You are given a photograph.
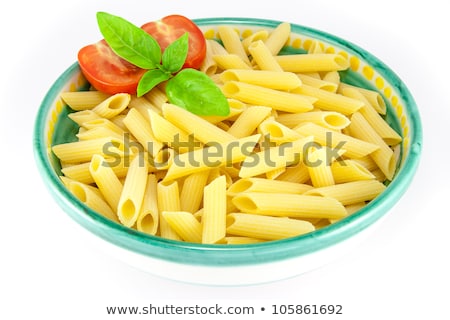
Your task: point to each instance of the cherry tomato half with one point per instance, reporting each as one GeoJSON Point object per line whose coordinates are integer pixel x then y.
{"type": "Point", "coordinates": [170, 28]}
{"type": "Point", "coordinates": [106, 71]}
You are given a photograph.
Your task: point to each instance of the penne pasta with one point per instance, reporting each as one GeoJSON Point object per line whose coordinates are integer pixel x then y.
{"type": "Point", "coordinates": [210, 157]}
{"type": "Point", "coordinates": [350, 192]}
{"type": "Point", "coordinates": [185, 225]}
{"type": "Point", "coordinates": [382, 128]}
{"type": "Point", "coordinates": [263, 57]}
{"type": "Point", "coordinates": [106, 180]}
{"type": "Point", "coordinates": [148, 219]}
{"type": "Point", "coordinates": [192, 192]}
{"type": "Point", "coordinates": [330, 101]}
{"type": "Point", "coordinates": [168, 200]}
{"type": "Point", "coordinates": [327, 119]}
{"type": "Point", "coordinates": [278, 100]}
{"type": "Point", "coordinates": [192, 124]}
{"type": "Point", "coordinates": [230, 61]}
{"type": "Point", "coordinates": [278, 38]}
{"type": "Point", "coordinates": [266, 185]}
{"type": "Point", "coordinates": [214, 211]}
{"type": "Point", "coordinates": [91, 197]}
{"type": "Point", "coordinates": [248, 121]}
{"type": "Point", "coordinates": [384, 156]}
{"type": "Point", "coordinates": [83, 100]}
{"type": "Point", "coordinates": [232, 42]}
{"type": "Point", "coordinates": [265, 227]}
{"type": "Point", "coordinates": [269, 79]}
{"type": "Point", "coordinates": [306, 63]}
{"type": "Point", "coordinates": [289, 205]}
{"type": "Point", "coordinates": [354, 148]}
{"type": "Point", "coordinates": [132, 195]}
{"type": "Point", "coordinates": [113, 105]}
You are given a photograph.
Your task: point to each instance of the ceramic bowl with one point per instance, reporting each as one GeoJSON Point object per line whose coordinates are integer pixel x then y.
{"type": "Point", "coordinates": [239, 264]}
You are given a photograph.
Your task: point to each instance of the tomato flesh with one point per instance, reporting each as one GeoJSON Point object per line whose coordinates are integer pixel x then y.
{"type": "Point", "coordinates": [170, 28]}
{"type": "Point", "coordinates": [106, 71]}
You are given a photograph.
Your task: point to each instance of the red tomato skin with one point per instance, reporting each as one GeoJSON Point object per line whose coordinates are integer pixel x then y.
{"type": "Point", "coordinates": [106, 71]}
{"type": "Point", "coordinates": [170, 28]}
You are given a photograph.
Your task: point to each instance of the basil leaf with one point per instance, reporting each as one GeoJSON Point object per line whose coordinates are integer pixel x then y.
{"type": "Point", "coordinates": [129, 41]}
{"type": "Point", "coordinates": [175, 54]}
{"type": "Point", "coordinates": [194, 91]}
{"type": "Point", "coordinates": [150, 79]}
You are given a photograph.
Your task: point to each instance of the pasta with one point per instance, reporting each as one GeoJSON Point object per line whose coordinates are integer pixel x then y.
{"type": "Point", "coordinates": [214, 211]}
{"type": "Point", "coordinates": [299, 150]}
{"type": "Point", "coordinates": [265, 227]}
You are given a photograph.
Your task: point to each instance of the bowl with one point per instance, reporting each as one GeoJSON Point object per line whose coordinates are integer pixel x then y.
{"type": "Point", "coordinates": [250, 263]}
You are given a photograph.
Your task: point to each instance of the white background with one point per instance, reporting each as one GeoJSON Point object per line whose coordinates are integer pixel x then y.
{"type": "Point", "coordinates": [48, 268]}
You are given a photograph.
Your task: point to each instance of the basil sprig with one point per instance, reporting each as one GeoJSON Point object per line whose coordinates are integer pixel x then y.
{"type": "Point", "coordinates": [189, 88]}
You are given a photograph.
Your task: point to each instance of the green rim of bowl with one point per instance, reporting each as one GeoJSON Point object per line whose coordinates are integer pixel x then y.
{"type": "Point", "coordinates": [225, 255]}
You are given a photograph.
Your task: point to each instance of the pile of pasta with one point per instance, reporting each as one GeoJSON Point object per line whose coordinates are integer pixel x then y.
{"type": "Point", "coordinates": [299, 150]}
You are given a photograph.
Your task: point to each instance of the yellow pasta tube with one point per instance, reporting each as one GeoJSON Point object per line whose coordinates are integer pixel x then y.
{"type": "Point", "coordinates": [148, 219]}
{"type": "Point", "coordinates": [80, 117]}
{"type": "Point", "coordinates": [230, 61]}
{"type": "Point", "coordinates": [255, 36]}
{"type": "Point", "coordinates": [328, 119]}
{"type": "Point", "coordinates": [374, 97]}
{"type": "Point", "coordinates": [102, 122]}
{"type": "Point", "coordinates": [266, 185]}
{"type": "Point", "coordinates": [297, 173]}
{"type": "Point", "coordinates": [312, 62]}
{"type": "Point", "coordinates": [141, 130]}
{"type": "Point", "coordinates": [389, 135]}
{"type": "Point", "coordinates": [80, 172]}
{"type": "Point", "coordinates": [166, 132]}
{"type": "Point", "coordinates": [289, 205]}
{"type": "Point", "coordinates": [113, 105]}
{"type": "Point", "coordinates": [209, 65]}
{"type": "Point", "coordinates": [330, 101]}
{"type": "Point", "coordinates": [349, 170]}
{"type": "Point", "coordinates": [142, 105]}
{"type": "Point", "coordinates": [269, 79]}
{"type": "Point", "coordinates": [97, 133]}
{"type": "Point", "coordinates": [350, 192]}
{"type": "Point", "coordinates": [214, 211]}
{"type": "Point", "coordinates": [354, 148]}
{"type": "Point", "coordinates": [106, 181]}
{"type": "Point", "coordinates": [257, 95]}
{"type": "Point", "coordinates": [232, 42]}
{"type": "Point", "coordinates": [192, 124]}
{"type": "Point", "coordinates": [248, 121]}
{"type": "Point", "coordinates": [185, 225]}
{"type": "Point", "coordinates": [132, 195]}
{"type": "Point", "coordinates": [265, 227]}
{"type": "Point", "coordinates": [263, 57]}
{"type": "Point", "coordinates": [274, 158]}
{"type": "Point", "coordinates": [278, 38]}
{"type": "Point", "coordinates": [210, 157]}
{"type": "Point", "coordinates": [384, 156]}
{"type": "Point", "coordinates": [319, 167]}
{"type": "Point", "coordinates": [241, 240]}
{"type": "Point", "coordinates": [317, 82]}
{"type": "Point", "coordinates": [82, 151]}
{"type": "Point", "coordinates": [168, 200]}
{"type": "Point", "coordinates": [192, 192]}
{"type": "Point", "coordinates": [276, 132]}
{"type": "Point", "coordinates": [156, 97]}
{"type": "Point", "coordinates": [87, 195]}
{"type": "Point", "coordinates": [83, 100]}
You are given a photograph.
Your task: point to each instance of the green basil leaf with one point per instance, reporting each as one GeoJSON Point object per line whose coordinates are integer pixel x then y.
{"type": "Point", "coordinates": [150, 79]}
{"type": "Point", "coordinates": [129, 41]}
{"type": "Point", "coordinates": [196, 92]}
{"type": "Point", "coordinates": [175, 54]}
